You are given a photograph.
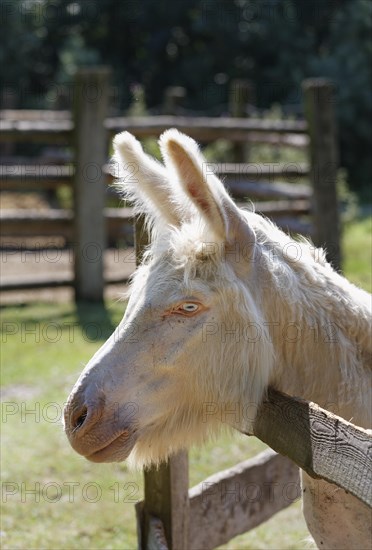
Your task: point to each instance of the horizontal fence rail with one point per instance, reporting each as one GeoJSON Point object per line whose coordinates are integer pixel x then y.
{"type": "Point", "coordinates": [15, 175]}
{"type": "Point", "coordinates": [37, 223]}
{"type": "Point", "coordinates": [36, 131]}
{"type": "Point", "coordinates": [239, 499]}
{"type": "Point", "coordinates": [48, 281]}
{"type": "Point", "coordinates": [321, 443]}
{"type": "Point", "coordinates": [257, 182]}
{"type": "Point", "coordinates": [26, 223]}
{"type": "Point", "coordinates": [234, 501]}
{"type": "Point", "coordinates": [203, 128]}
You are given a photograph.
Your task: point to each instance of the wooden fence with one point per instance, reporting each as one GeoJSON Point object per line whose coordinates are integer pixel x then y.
{"type": "Point", "coordinates": [236, 500]}
{"type": "Point", "coordinates": [88, 132]}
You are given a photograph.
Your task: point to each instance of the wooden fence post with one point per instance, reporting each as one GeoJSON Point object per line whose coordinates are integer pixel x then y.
{"type": "Point", "coordinates": [319, 112]}
{"type": "Point", "coordinates": [240, 95]}
{"type": "Point", "coordinates": [90, 143]}
{"type": "Point", "coordinates": [173, 98]}
{"type": "Point", "coordinates": [167, 498]}
{"type": "Point", "coordinates": [166, 487]}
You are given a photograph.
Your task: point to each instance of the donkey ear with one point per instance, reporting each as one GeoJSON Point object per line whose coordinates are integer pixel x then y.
{"type": "Point", "coordinates": [181, 153]}
{"type": "Point", "coordinates": [143, 180]}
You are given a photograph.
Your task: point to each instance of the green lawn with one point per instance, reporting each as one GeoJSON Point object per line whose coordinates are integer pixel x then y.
{"type": "Point", "coordinates": [357, 252]}
{"type": "Point", "coordinates": [51, 497]}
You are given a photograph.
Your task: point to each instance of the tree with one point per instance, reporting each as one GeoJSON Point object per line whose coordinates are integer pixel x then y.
{"type": "Point", "coordinates": [200, 45]}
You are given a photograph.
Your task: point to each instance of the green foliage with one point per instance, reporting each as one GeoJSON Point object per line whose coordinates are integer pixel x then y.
{"type": "Point", "coordinates": [348, 200]}
{"type": "Point", "coordinates": [200, 45]}
{"type": "Point", "coordinates": [348, 63]}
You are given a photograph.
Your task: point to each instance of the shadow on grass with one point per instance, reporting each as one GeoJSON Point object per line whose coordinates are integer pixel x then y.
{"type": "Point", "coordinates": [95, 320]}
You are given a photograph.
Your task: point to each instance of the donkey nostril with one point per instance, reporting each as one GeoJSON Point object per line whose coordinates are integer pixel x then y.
{"type": "Point", "coordinates": [81, 418]}
{"type": "Point", "coordinates": [82, 415]}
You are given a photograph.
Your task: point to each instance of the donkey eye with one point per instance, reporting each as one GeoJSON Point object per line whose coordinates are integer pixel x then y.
{"type": "Point", "coordinates": [187, 308]}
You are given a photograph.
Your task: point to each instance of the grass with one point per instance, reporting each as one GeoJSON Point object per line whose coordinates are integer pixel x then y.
{"type": "Point", "coordinates": [51, 497]}
{"type": "Point", "coordinates": [357, 252]}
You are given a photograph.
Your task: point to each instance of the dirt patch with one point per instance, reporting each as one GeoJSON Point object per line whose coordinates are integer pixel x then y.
{"type": "Point", "coordinates": [55, 264]}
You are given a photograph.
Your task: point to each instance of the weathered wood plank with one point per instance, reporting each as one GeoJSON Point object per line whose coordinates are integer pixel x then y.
{"type": "Point", "coordinates": [48, 281]}
{"type": "Point", "coordinates": [35, 177]}
{"type": "Point", "coordinates": [166, 498]}
{"type": "Point", "coordinates": [31, 222]}
{"type": "Point", "coordinates": [281, 208]}
{"type": "Point", "coordinates": [156, 539]}
{"type": "Point", "coordinates": [241, 188]}
{"type": "Point", "coordinates": [290, 170]}
{"type": "Point", "coordinates": [90, 143]}
{"type": "Point", "coordinates": [42, 175]}
{"type": "Point", "coordinates": [36, 260]}
{"type": "Point", "coordinates": [21, 220]}
{"type": "Point", "coordinates": [35, 282]}
{"type": "Point", "coordinates": [59, 131]}
{"type": "Point", "coordinates": [236, 500]}
{"type": "Point", "coordinates": [319, 442]}
{"type": "Point", "coordinates": [293, 225]}
{"type": "Point", "coordinates": [247, 170]}
{"type": "Point", "coordinates": [37, 223]}
{"type": "Point", "coordinates": [45, 115]}
{"type": "Point", "coordinates": [34, 114]}
{"type": "Point", "coordinates": [203, 127]}
{"type": "Point", "coordinates": [296, 141]}
{"type": "Point", "coordinates": [9, 215]}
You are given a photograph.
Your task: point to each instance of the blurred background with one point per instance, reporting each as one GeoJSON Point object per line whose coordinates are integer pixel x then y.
{"type": "Point", "coordinates": [199, 45]}
{"type": "Point", "coordinates": [240, 63]}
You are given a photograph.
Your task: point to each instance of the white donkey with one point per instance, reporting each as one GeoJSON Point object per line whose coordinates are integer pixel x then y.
{"type": "Point", "coordinates": [224, 305]}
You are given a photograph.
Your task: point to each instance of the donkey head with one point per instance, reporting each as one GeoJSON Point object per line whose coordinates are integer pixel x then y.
{"type": "Point", "coordinates": [184, 360]}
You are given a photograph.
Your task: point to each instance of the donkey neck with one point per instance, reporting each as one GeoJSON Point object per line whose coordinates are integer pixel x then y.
{"type": "Point", "coordinates": [320, 326]}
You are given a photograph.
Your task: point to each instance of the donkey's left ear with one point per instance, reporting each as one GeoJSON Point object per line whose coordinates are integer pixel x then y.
{"type": "Point", "coordinates": [181, 154]}
{"type": "Point", "coordinates": [204, 189]}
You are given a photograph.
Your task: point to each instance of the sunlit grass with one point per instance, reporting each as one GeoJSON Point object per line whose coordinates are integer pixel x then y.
{"type": "Point", "coordinates": [357, 253]}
